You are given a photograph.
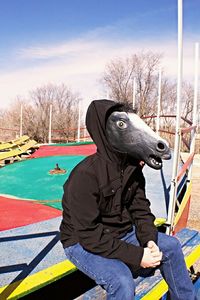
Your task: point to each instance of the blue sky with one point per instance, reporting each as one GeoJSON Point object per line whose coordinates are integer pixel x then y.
{"type": "Point", "coordinates": [66, 41]}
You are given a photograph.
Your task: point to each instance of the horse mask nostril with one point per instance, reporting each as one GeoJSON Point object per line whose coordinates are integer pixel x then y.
{"type": "Point", "coordinates": [161, 146]}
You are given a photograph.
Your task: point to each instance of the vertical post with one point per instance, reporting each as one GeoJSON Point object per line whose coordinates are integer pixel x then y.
{"type": "Point", "coordinates": [173, 191]}
{"type": "Point", "coordinates": [21, 121]}
{"type": "Point", "coordinates": [50, 122]}
{"type": "Point", "coordinates": [134, 91]}
{"type": "Point", "coordinates": [159, 101]}
{"type": "Point", "coordinates": [85, 130]}
{"type": "Point", "coordinates": [79, 121]}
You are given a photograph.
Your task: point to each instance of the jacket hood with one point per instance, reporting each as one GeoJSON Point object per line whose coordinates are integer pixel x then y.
{"type": "Point", "coordinates": [96, 117]}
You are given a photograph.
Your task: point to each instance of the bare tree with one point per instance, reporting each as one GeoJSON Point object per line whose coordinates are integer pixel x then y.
{"type": "Point", "coordinates": [11, 120]}
{"type": "Point", "coordinates": [119, 74]}
{"type": "Point", "coordinates": [118, 79]}
{"type": "Point", "coordinates": [187, 96]}
{"type": "Point", "coordinates": [64, 103]}
{"type": "Point", "coordinates": [36, 112]}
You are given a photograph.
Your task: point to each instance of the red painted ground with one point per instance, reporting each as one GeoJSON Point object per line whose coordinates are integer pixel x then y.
{"type": "Point", "coordinates": [16, 213]}
{"type": "Point", "coordinates": [64, 150]}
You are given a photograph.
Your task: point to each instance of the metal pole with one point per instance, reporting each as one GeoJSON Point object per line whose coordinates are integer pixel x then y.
{"type": "Point", "coordinates": [79, 121]}
{"type": "Point", "coordinates": [134, 91]}
{"type": "Point", "coordinates": [85, 130]}
{"type": "Point", "coordinates": [173, 191]}
{"type": "Point", "coordinates": [50, 121]}
{"type": "Point", "coordinates": [159, 101]}
{"type": "Point", "coordinates": [21, 121]}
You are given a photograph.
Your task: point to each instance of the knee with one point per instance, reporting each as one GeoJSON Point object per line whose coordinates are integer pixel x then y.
{"type": "Point", "coordinates": [171, 246]}
{"type": "Point", "coordinates": [174, 244]}
{"type": "Point", "coordinates": [122, 287]}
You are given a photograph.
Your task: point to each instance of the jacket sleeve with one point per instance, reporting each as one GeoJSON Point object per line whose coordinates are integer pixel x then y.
{"type": "Point", "coordinates": [140, 212]}
{"type": "Point", "coordinates": [83, 193]}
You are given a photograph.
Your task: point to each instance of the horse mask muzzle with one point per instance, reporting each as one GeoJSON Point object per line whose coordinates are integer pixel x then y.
{"type": "Point", "coordinates": [128, 133]}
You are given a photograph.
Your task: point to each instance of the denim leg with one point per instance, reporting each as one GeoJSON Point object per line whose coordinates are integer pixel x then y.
{"type": "Point", "coordinates": [174, 270]}
{"type": "Point", "coordinates": [116, 278]}
{"type": "Point", "coordinates": [173, 267]}
{"type": "Point", "coordinates": [112, 274]}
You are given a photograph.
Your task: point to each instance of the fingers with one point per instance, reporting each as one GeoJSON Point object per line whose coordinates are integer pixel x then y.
{"type": "Point", "coordinates": [152, 246]}
{"type": "Point", "coordinates": [157, 254]}
{"type": "Point", "coordinates": [156, 261]}
{"type": "Point", "coordinates": [151, 259]}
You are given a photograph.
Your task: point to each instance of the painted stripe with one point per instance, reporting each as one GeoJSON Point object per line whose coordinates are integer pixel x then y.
{"type": "Point", "coordinates": [183, 203]}
{"type": "Point", "coordinates": [186, 165]}
{"type": "Point", "coordinates": [157, 292]}
{"type": "Point", "coordinates": [17, 213]}
{"type": "Point", "coordinates": [85, 149]}
{"type": "Point", "coordinates": [36, 281]}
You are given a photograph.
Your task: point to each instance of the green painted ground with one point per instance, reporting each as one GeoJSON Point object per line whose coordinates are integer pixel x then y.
{"type": "Point", "coordinates": [30, 179]}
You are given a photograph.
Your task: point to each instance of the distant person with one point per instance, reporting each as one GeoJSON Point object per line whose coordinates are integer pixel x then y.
{"type": "Point", "coordinates": [107, 229]}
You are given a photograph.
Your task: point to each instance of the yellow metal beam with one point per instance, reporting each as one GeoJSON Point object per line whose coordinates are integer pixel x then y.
{"type": "Point", "coordinates": [34, 282]}
{"type": "Point", "coordinates": [183, 203]}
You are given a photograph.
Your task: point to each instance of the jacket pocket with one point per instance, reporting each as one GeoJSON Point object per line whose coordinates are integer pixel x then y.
{"type": "Point", "coordinates": [110, 198]}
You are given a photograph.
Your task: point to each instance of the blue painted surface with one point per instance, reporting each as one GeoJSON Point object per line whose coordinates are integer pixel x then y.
{"type": "Point", "coordinates": [29, 249]}
{"type": "Point", "coordinates": [158, 187]}
{"type": "Point", "coordinates": [197, 288]}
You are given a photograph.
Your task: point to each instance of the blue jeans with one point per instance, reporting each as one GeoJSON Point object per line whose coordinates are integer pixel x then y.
{"type": "Point", "coordinates": [117, 279]}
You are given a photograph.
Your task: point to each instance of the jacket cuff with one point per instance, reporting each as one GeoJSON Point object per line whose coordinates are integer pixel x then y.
{"type": "Point", "coordinates": [145, 241]}
{"type": "Point", "coordinates": [134, 256]}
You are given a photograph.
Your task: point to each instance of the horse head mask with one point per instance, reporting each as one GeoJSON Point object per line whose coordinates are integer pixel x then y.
{"type": "Point", "coordinates": [117, 129]}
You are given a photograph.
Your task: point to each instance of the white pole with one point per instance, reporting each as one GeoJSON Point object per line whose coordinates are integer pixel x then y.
{"type": "Point", "coordinates": [134, 91]}
{"type": "Point", "coordinates": [50, 122]}
{"type": "Point", "coordinates": [79, 121]}
{"type": "Point", "coordinates": [85, 130]}
{"type": "Point", "coordinates": [159, 101]}
{"type": "Point", "coordinates": [173, 191]}
{"type": "Point", "coordinates": [21, 121]}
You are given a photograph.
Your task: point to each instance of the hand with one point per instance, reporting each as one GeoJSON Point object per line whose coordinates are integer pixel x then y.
{"type": "Point", "coordinates": [153, 247]}
{"type": "Point", "coordinates": [152, 256]}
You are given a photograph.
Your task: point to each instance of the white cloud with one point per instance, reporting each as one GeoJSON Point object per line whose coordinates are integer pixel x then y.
{"type": "Point", "coordinates": [79, 63]}
{"type": "Point", "coordinates": [59, 50]}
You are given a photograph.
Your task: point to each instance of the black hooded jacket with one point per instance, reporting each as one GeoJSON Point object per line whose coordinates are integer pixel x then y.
{"type": "Point", "coordinates": [104, 197]}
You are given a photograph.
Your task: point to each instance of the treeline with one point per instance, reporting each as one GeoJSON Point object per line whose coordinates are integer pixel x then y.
{"type": "Point", "coordinates": [36, 112]}
{"type": "Point", "coordinates": [117, 79]}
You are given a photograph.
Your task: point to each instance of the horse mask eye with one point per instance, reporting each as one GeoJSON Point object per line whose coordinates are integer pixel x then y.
{"type": "Point", "coordinates": [121, 124]}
